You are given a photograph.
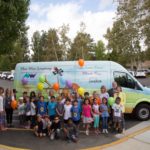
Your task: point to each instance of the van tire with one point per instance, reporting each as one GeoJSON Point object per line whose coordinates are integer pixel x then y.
{"type": "Point", "coordinates": [142, 112]}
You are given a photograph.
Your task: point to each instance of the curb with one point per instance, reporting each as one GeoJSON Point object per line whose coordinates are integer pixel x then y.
{"type": "Point", "coordinates": [4, 147]}
{"type": "Point", "coordinates": [120, 140]}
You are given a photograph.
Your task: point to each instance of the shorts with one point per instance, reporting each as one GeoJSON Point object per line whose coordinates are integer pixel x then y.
{"type": "Point", "coordinates": [65, 121]}
{"type": "Point", "coordinates": [52, 117]}
{"type": "Point", "coordinates": [28, 118]}
{"type": "Point", "coordinates": [76, 122]}
{"type": "Point", "coordinates": [117, 119]}
{"type": "Point", "coordinates": [87, 120]}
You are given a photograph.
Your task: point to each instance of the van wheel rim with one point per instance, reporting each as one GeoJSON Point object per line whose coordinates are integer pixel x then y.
{"type": "Point", "coordinates": [144, 113]}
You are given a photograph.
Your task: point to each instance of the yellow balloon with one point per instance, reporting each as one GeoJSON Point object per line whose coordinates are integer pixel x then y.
{"type": "Point", "coordinates": [40, 86]}
{"type": "Point", "coordinates": [81, 91]}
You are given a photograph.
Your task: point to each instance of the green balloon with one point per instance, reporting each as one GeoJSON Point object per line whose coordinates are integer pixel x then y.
{"type": "Point", "coordinates": [111, 101]}
{"type": "Point", "coordinates": [42, 78]}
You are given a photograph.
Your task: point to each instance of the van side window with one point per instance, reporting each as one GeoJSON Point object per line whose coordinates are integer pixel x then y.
{"type": "Point", "coordinates": [124, 80]}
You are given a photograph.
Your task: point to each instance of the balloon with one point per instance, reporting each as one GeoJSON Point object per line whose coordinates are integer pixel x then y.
{"type": "Point", "coordinates": [24, 80]}
{"type": "Point", "coordinates": [42, 78]}
{"type": "Point", "coordinates": [56, 86]}
{"type": "Point", "coordinates": [111, 101]}
{"type": "Point", "coordinates": [81, 91]}
{"type": "Point", "coordinates": [69, 84]}
{"type": "Point", "coordinates": [14, 104]}
{"type": "Point", "coordinates": [62, 81]}
{"type": "Point", "coordinates": [81, 62]}
{"type": "Point", "coordinates": [40, 86]}
{"type": "Point", "coordinates": [75, 86]}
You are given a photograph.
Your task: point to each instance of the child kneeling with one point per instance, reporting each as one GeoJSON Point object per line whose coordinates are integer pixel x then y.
{"type": "Point", "coordinates": [70, 131]}
{"type": "Point", "coordinates": [55, 129]}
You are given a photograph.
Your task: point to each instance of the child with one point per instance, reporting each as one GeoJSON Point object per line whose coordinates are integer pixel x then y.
{"type": "Point", "coordinates": [55, 128]}
{"type": "Point", "coordinates": [75, 110]}
{"type": "Point", "coordinates": [2, 118]}
{"type": "Point", "coordinates": [33, 112]}
{"type": "Point", "coordinates": [70, 131]}
{"type": "Point", "coordinates": [46, 125]}
{"type": "Point", "coordinates": [86, 114]}
{"type": "Point", "coordinates": [117, 114]}
{"type": "Point", "coordinates": [104, 115]}
{"type": "Point", "coordinates": [67, 110]}
{"type": "Point", "coordinates": [38, 129]}
{"type": "Point", "coordinates": [96, 115]}
{"type": "Point", "coordinates": [42, 107]}
{"type": "Point", "coordinates": [60, 109]}
{"type": "Point", "coordinates": [21, 112]}
{"type": "Point", "coordinates": [52, 108]}
{"type": "Point", "coordinates": [28, 112]}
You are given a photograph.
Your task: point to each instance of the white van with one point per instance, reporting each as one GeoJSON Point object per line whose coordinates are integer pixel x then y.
{"type": "Point", "coordinates": [91, 77]}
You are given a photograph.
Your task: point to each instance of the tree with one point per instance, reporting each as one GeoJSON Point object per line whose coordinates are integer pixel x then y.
{"type": "Point", "coordinates": [124, 37]}
{"type": "Point", "coordinates": [82, 46]}
{"type": "Point", "coordinates": [100, 51]}
{"type": "Point", "coordinates": [13, 14]}
{"type": "Point", "coordinates": [64, 41]}
{"type": "Point", "coordinates": [36, 46]}
{"type": "Point", "coordinates": [52, 51]}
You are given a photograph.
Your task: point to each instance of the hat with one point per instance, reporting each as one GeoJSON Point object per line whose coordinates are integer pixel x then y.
{"type": "Point", "coordinates": [39, 115]}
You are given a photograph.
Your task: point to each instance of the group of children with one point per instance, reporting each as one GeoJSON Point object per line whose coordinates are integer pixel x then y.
{"type": "Point", "coordinates": [65, 114]}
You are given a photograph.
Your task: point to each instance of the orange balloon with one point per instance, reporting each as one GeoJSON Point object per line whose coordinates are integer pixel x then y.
{"type": "Point", "coordinates": [56, 86]}
{"type": "Point", "coordinates": [14, 104]}
{"type": "Point", "coordinates": [81, 62]}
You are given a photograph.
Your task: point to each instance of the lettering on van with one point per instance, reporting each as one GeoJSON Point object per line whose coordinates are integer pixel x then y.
{"type": "Point", "coordinates": [91, 73]}
{"type": "Point", "coordinates": [95, 81]}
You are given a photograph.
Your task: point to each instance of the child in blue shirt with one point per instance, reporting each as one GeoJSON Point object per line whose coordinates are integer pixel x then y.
{"type": "Point", "coordinates": [75, 110]}
{"type": "Point", "coordinates": [42, 107]}
{"type": "Point", "coordinates": [52, 108]}
{"type": "Point", "coordinates": [104, 115]}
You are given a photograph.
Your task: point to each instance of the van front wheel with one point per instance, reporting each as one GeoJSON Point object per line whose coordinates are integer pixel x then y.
{"type": "Point", "coordinates": [143, 112]}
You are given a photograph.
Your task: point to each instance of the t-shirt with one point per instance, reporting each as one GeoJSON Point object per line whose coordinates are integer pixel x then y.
{"type": "Point", "coordinates": [51, 108]}
{"type": "Point", "coordinates": [46, 123]}
{"type": "Point", "coordinates": [8, 100]}
{"type": "Point", "coordinates": [1, 104]}
{"type": "Point", "coordinates": [106, 95]}
{"type": "Point", "coordinates": [67, 109]}
{"type": "Point", "coordinates": [28, 109]}
{"type": "Point", "coordinates": [96, 109]}
{"type": "Point", "coordinates": [60, 108]}
{"type": "Point", "coordinates": [122, 96]}
{"type": "Point", "coordinates": [21, 109]}
{"type": "Point", "coordinates": [117, 110]}
{"type": "Point", "coordinates": [75, 110]}
{"type": "Point", "coordinates": [33, 109]}
{"type": "Point", "coordinates": [42, 108]}
{"type": "Point", "coordinates": [55, 126]}
{"type": "Point", "coordinates": [86, 111]}
{"type": "Point", "coordinates": [104, 110]}
{"type": "Point", "coordinates": [79, 104]}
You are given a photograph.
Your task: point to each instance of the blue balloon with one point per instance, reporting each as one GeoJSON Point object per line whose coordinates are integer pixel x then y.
{"type": "Point", "coordinates": [62, 81]}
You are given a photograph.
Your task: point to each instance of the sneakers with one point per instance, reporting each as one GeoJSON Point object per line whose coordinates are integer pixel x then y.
{"type": "Point", "coordinates": [105, 131]}
{"type": "Point", "coordinates": [87, 132]}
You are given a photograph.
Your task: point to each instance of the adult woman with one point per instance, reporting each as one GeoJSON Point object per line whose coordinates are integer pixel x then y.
{"type": "Point", "coordinates": [9, 111]}
{"type": "Point", "coordinates": [104, 93]}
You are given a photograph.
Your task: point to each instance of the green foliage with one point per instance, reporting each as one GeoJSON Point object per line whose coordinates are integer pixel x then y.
{"type": "Point", "coordinates": [124, 39]}
{"type": "Point", "coordinates": [100, 51]}
{"type": "Point", "coordinates": [13, 14]}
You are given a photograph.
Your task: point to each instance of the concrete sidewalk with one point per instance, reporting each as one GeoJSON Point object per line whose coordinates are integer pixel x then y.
{"type": "Point", "coordinates": [138, 142]}
{"type": "Point", "coordinates": [136, 138]}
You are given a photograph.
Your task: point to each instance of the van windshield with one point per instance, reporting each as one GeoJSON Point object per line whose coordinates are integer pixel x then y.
{"type": "Point", "coordinates": [125, 80]}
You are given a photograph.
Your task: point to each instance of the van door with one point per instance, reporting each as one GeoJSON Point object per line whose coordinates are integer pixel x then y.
{"type": "Point", "coordinates": [133, 91]}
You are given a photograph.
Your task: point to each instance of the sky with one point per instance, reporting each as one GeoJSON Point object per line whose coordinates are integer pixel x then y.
{"type": "Point", "coordinates": [97, 15]}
